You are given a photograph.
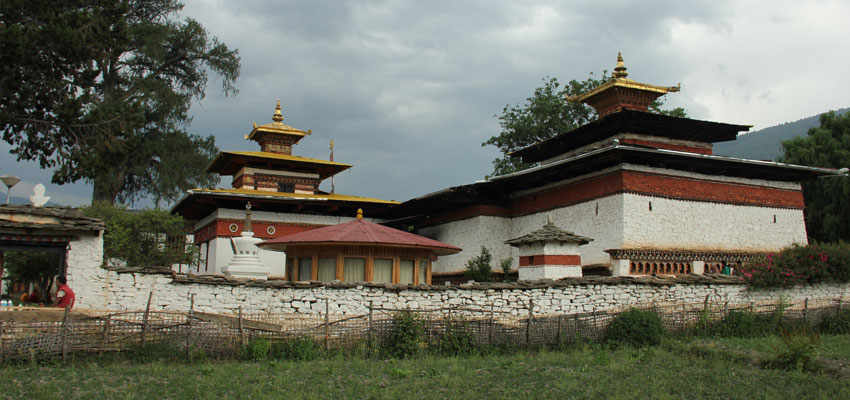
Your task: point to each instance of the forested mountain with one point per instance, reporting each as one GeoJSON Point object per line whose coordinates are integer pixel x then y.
{"type": "Point", "coordinates": [766, 144]}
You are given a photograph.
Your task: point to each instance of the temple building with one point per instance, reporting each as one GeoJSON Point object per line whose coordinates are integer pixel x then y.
{"type": "Point", "coordinates": [359, 251]}
{"type": "Point", "coordinates": [282, 190]}
{"type": "Point", "coordinates": [646, 187]}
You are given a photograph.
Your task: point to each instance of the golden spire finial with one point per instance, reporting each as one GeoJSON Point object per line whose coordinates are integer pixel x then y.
{"type": "Point", "coordinates": [620, 70]}
{"type": "Point", "coordinates": [278, 116]}
{"type": "Point", "coordinates": [332, 144]}
{"type": "Point", "coordinates": [359, 213]}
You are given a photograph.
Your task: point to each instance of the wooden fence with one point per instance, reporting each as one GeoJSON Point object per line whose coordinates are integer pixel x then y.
{"type": "Point", "coordinates": [33, 333]}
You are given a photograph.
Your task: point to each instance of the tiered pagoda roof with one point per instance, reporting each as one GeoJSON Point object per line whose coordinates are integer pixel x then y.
{"type": "Point", "coordinates": [273, 179]}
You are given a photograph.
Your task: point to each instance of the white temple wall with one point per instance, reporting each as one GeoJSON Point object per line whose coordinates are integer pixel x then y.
{"type": "Point", "coordinates": [470, 234]}
{"type": "Point", "coordinates": [599, 219]}
{"type": "Point", "coordinates": [85, 273]}
{"type": "Point", "coordinates": [697, 225]}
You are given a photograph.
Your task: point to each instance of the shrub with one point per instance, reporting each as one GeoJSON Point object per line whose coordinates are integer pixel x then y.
{"type": "Point", "coordinates": [138, 238]}
{"type": "Point", "coordinates": [798, 265]}
{"type": "Point", "coordinates": [506, 267]}
{"type": "Point", "coordinates": [637, 328]}
{"type": "Point", "coordinates": [406, 336]}
{"type": "Point", "coordinates": [478, 268]}
{"type": "Point", "coordinates": [457, 339]}
{"type": "Point", "coordinates": [836, 324]}
{"type": "Point", "coordinates": [745, 324]}
{"type": "Point", "coordinates": [258, 349]}
{"type": "Point", "coordinates": [299, 349]}
{"type": "Point", "coordinates": [797, 349]}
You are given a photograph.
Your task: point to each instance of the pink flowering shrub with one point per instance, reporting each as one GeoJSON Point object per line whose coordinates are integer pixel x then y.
{"type": "Point", "coordinates": [798, 265]}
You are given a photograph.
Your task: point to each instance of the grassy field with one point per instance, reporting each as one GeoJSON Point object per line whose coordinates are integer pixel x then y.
{"type": "Point", "coordinates": [590, 371]}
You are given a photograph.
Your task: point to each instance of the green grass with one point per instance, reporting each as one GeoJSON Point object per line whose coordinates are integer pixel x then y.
{"type": "Point", "coordinates": [831, 346]}
{"type": "Point", "coordinates": [590, 371]}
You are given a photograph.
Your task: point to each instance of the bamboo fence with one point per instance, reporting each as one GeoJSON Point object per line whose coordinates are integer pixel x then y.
{"type": "Point", "coordinates": [35, 333]}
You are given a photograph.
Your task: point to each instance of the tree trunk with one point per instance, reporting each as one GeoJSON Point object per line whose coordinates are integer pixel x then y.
{"type": "Point", "coordinates": [107, 186]}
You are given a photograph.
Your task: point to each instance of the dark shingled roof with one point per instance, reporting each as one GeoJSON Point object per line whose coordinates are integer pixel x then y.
{"type": "Point", "coordinates": [551, 234]}
{"type": "Point", "coordinates": [50, 218]}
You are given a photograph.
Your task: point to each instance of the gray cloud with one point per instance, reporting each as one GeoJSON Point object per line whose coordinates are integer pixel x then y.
{"type": "Point", "coordinates": [408, 90]}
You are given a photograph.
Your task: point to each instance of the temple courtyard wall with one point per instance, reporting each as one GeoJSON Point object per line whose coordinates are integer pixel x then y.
{"type": "Point", "coordinates": [117, 289]}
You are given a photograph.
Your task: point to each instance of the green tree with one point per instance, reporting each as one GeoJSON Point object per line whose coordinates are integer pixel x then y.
{"type": "Point", "coordinates": [142, 238]}
{"type": "Point", "coordinates": [827, 200]}
{"type": "Point", "coordinates": [546, 114]}
{"type": "Point", "coordinates": [478, 268]}
{"type": "Point", "coordinates": [100, 91]}
{"type": "Point", "coordinates": [39, 267]}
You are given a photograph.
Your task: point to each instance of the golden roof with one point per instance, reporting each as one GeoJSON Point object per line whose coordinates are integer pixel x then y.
{"type": "Point", "coordinates": [619, 79]}
{"type": "Point", "coordinates": [294, 196]}
{"type": "Point", "coordinates": [229, 162]}
{"type": "Point", "coordinates": [277, 127]}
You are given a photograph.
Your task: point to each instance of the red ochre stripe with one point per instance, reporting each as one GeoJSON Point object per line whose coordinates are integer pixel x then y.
{"type": "Point", "coordinates": [649, 184]}
{"type": "Point", "coordinates": [549, 259]}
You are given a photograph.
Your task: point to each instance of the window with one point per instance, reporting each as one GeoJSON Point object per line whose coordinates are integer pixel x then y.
{"type": "Point", "coordinates": [327, 269]}
{"type": "Point", "coordinates": [286, 187]}
{"type": "Point", "coordinates": [423, 272]}
{"type": "Point", "coordinates": [305, 269]}
{"type": "Point", "coordinates": [405, 271]}
{"type": "Point", "coordinates": [354, 270]}
{"type": "Point", "coordinates": [382, 270]}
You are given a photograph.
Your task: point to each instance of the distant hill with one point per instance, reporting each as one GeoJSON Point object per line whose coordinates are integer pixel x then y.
{"type": "Point", "coordinates": [766, 144]}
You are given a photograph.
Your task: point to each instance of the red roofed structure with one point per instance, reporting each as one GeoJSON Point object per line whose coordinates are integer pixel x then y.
{"type": "Point", "coordinates": [359, 251]}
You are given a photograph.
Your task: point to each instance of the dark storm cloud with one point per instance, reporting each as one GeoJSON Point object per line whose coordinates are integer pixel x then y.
{"type": "Point", "coordinates": [408, 89]}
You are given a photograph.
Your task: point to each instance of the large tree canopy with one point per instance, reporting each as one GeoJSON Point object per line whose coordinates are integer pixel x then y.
{"type": "Point", "coordinates": [100, 91]}
{"type": "Point", "coordinates": [827, 200]}
{"type": "Point", "coordinates": [546, 114]}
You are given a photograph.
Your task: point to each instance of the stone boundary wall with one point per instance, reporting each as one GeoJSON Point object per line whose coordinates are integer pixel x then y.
{"type": "Point", "coordinates": [128, 289]}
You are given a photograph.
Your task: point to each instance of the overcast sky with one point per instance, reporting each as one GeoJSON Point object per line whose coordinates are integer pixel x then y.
{"type": "Point", "coordinates": [408, 89]}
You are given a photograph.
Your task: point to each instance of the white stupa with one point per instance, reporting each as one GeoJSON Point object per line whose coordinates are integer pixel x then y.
{"type": "Point", "coordinates": [246, 260]}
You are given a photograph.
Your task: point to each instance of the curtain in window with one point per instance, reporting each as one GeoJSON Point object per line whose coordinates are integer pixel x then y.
{"type": "Point", "coordinates": [382, 270]}
{"type": "Point", "coordinates": [405, 272]}
{"type": "Point", "coordinates": [327, 269]}
{"type": "Point", "coordinates": [354, 270]}
{"type": "Point", "coordinates": [423, 270]}
{"type": "Point", "coordinates": [305, 268]}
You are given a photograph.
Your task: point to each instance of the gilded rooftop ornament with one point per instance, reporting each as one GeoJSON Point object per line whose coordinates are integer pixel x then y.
{"type": "Point", "coordinates": [622, 93]}
{"type": "Point", "coordinates": [620, 69]}
{"type": "Point", "coordinates": [278, 115]}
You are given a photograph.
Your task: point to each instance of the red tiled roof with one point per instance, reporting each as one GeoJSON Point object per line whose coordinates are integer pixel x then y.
{"type": "Point", "coordinates": [359, 232]}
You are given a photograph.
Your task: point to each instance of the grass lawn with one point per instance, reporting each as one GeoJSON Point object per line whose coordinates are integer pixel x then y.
{"type": "Point", "coordinates": [588, 372]}
{"type": "Point", "coordinates": [835, 347]}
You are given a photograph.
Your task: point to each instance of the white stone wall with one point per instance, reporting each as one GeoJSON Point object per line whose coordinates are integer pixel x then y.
{"type": "Point", "coordinates": [85, 275]}
{"type": "Point", "coordinates": [470, 234]}
{"type": "Point", "coordinates": [692, 225]}
{"type": "Point", "coordinates": [130, 291]}
{"type": "Point", "coordinates": [537, 272]}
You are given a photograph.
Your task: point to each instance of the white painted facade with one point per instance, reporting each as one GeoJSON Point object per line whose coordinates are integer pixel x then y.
{"type": "Point", "coordinates": [625, 221]}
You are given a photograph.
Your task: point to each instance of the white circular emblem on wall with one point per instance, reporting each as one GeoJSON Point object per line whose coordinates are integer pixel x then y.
{"type": "Point", "coordinates": [233, 227]}
{"type": "Point", "coordinates": [270, 230]}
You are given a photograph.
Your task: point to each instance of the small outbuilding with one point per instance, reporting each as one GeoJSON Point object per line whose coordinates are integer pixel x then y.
{"type": "Point", "coordinates": [359, 251]}
{"type": "Point", "coordinates": [549, 253]}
